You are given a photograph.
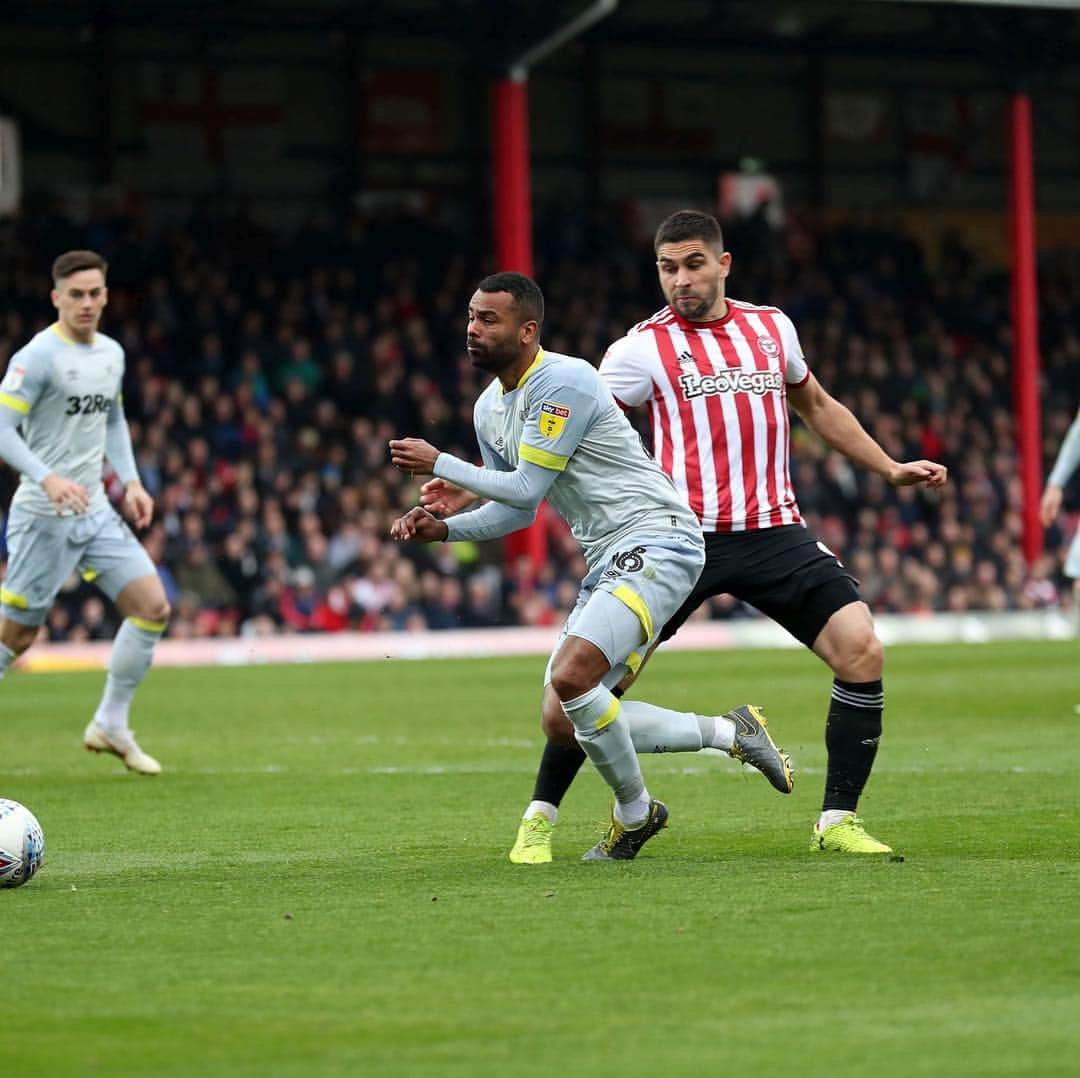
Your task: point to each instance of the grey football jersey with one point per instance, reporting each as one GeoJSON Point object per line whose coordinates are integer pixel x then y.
{"type": "Point", "coordinates": [1068, 455]}
{"type": "Point", "coordinates": [64, 391]}
{"type": "Point", "coordinates": [563, 417]}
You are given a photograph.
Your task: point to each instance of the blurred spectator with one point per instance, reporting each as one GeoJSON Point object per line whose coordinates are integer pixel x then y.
{"type": "Point", "coordinates": [261, 402]}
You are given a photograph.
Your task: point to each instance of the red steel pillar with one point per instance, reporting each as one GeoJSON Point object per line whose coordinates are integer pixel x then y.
{"type": "Point", "coordinates": [1025, 317]}
{"type": "Point", "coordinates": [513, 239]}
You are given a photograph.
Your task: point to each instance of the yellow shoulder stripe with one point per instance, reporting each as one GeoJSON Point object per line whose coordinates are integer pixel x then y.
{"type": "Point", "coordinates": [525, 374]}
{"type": "Point", "coordinates": [15, 404]}
{"type": "Point", "coordinates": [530, 370]}
{"type": "Point", "coordinates": [635, 602]}
{"type": "Point", "coordinates": [552, 461]}
{"type": "Point", "coordinates": [9, 598]}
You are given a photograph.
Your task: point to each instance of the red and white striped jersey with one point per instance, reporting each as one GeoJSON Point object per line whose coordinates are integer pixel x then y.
{"type": "Point", "coordinates": [717, 397]}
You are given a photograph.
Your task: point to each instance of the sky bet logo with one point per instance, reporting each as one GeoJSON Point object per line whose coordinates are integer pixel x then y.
{"type": "Point", "coordinates": [711, 385]}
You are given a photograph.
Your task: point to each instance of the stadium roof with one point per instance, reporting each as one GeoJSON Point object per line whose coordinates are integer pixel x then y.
{"type": "Point", "coordinates": [882, 26]}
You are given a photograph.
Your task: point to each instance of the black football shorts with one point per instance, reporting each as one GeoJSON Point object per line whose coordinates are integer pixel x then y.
{"type": "Point", "coordinates": [785, 572]}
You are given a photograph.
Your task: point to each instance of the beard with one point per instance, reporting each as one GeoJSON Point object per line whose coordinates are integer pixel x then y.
{"type": "Point", "coordinates": [492, 358]}
{"type": "Point", "coordinates": [694, 306]}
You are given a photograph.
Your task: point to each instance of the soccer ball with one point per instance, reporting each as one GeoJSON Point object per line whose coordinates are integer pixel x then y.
{"type": "Point", "coordinates": [22, 844]}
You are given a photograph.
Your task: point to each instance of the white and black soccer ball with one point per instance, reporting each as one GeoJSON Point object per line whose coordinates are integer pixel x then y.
{"type": "Point", "coordinates": [22, 844]}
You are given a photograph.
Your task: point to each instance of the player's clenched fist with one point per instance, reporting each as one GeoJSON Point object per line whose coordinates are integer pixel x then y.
{"type": "Point", "coordinates": [413, 455]}
{"type": "Point", "coordinates": [919, 471]}
{"type": "Point", "coordinates": [418, 526]}
{"type": "Point", "coordinates": [138, 505]}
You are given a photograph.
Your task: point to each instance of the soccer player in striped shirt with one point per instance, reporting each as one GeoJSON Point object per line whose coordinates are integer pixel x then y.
{"type": "Point", "coordinates": [62, 391]}
{"type": "Point", "coordinates": [548, 426]}
{"type": "Point", "coordinates": [1067, 460]}
{"type": "Point", "coordinates": [717, 375]}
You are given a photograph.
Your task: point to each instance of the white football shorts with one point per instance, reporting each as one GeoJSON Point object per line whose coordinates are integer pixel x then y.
{"type": "Point", "coordinates": [649, 576]}
{"type": "Point", "coordinates": [1072, 559]}
{"type": "Point", "coordinates": [44, 551]}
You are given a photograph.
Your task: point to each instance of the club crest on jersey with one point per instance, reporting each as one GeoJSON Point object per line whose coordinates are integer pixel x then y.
{"type": "Point", "coordinates": [768, 347]}
{"type": "Point", "coordinates": [553, 418]}
{"type": "Point", "coordinates": [14, 379]}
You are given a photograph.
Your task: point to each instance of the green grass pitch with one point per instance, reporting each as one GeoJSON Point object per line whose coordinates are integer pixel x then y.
{"type": "Point", "coordinates": [318, 884]}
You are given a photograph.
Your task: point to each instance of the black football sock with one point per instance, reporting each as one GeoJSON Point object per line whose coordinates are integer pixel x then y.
{"type": "Point", "coordinates": [852, 734]}
{"type": "Point", "coordinates": [558, 767]}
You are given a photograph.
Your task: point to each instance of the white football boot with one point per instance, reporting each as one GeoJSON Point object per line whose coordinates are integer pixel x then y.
{"type": "Point", "coordinates": [122, 744]}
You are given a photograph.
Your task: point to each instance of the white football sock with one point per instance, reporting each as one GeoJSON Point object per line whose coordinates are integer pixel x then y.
{"type": "Point", "coordinates": [606, 741]}
{"type": "Point", "coordinates": [634, 813]}
{"type": "Point", "coordinates": [132, 651]}
{"type": "Point", "coordinates": [7, 657]}
{"type": "Point", "coordinates": [658, 729]}
{"type": "Point", "coordinates": [544, 808]}
{"type": "Point", "coordinates": [830, 816]}
{"type": "Point", "coordinates": [717, 732]}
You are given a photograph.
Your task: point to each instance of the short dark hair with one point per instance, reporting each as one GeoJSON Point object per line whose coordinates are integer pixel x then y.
{"type": "Point", "coordinates": [74, 261]}
{"type": "Point", "coordinates": [528, 299]}
{"type": "Point", "coordinates": [690, 225]}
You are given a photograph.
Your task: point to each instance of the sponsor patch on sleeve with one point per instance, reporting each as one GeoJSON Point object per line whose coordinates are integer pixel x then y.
{"type": "Point", "coordinates": [553, 418]}
{"type": "Point", "coordinates": [13, 380]}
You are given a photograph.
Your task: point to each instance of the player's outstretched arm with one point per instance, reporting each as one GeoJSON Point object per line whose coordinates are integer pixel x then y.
{"type": "Point", "coordinates": [522, 489]}
{"type": "Point", "coordinates": [65, 494]}
{"type": "Point", "coordinates": [490, 521]}
{"type": "Point", "coordinates": [1068, 459]}
{"type": "Point", "coordinates": [137, 504]}
{"type": "Point", "coordinates": [837, 427]}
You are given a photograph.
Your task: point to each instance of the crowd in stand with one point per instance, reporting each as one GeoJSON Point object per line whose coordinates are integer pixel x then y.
{"type": "Point", "coordinates": [266, 375]}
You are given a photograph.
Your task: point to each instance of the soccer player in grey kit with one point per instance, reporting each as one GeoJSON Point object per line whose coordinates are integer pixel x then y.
{"type": "Point", "coordinates": [1067, 460]}
{"type": "Point", "coordinates": [61, 415]}
{"type": "Point", "coordinates": [547, 425]}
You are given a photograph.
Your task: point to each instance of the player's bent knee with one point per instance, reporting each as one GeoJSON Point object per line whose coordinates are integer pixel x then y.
{"type": "Point", "coordinates": [144, 600]}
{"type": "Point", "coordinates": [863, 659]}
{"type": "Point", "coordinates": [152, 616]}
{"type": "Point", "coordinates": [570, 681]}
{"type": "Point", "coordinates": [554, 721]}
{"type": "Point", "coordinates": [877, 652]}
{"type": "Point", "coordinates": [872, 655]}
{"type": "Point", "coordinates": [556, 725]}
{"type": "Point", "coordinates": [576, 670]}
{"type": "Point", "coordinates": [152, 610]}
{"type": "Point", "coordinates": [16, 636]}
{"type": "Point", "coordinates": [161, 612]}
